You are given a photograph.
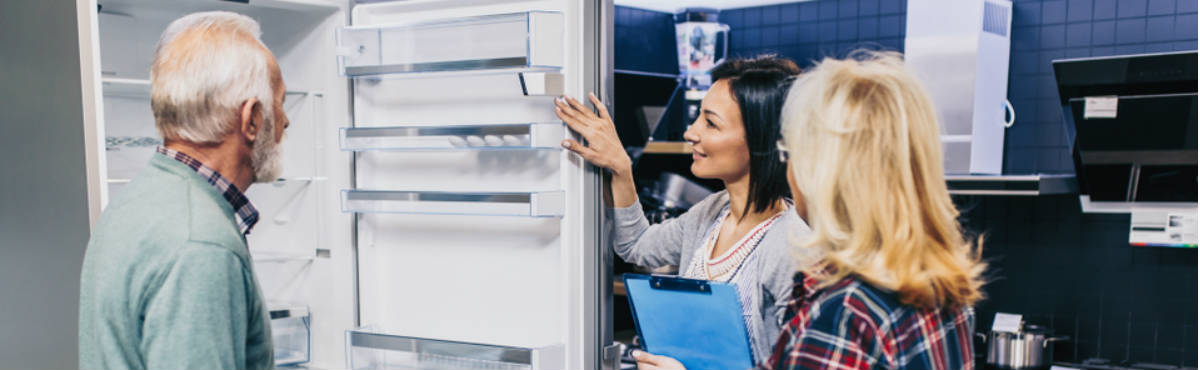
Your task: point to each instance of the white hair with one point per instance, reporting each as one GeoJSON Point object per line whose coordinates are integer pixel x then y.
{"type": "Point", "coordinates": [205, 67]}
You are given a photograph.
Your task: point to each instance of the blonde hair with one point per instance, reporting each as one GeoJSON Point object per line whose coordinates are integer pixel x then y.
{"type": "Point", "coordinates": [862, 135]}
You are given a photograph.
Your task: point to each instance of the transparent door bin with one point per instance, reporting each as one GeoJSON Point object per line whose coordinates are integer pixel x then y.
{"type": "Point", "coordinates": [529, 41]}
{"type": "Point", "coordinates": [520, 204]}
{"type": "Point", "coordinates": [290, 332]}
{"type": "Point", "coordinates": [371, 349]}
{"type": "Point", "coordinates": [456, 137]}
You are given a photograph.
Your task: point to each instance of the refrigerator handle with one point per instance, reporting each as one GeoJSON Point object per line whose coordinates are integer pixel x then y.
{"type": "Point", "coordinates": [612, 357]}
{"type": "Point", "coordinates": [607, 21]}
{"type": "Point", "coordinates": [609, 352]}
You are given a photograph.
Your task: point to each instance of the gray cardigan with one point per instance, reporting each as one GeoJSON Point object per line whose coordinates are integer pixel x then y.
{"type": "Point", "coordinates": [675, 241]}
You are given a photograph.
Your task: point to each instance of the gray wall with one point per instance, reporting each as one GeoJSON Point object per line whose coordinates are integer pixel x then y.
{"type": "Point", "coordinates": [43, 196]}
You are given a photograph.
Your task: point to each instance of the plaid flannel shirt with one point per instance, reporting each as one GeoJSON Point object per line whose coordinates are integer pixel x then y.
{"type": "Point", "coordinates": [853, 325]}
{"type": "Point", "coordinates": [243, 211]}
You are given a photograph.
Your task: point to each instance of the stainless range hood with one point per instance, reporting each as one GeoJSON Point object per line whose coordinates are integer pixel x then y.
{"type": "Point", "coordinates": [959, 50]}
{"type": "Point", "coordinates": [1132, 120]}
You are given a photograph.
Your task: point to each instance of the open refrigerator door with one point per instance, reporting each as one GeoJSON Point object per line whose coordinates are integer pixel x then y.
{"type": "Point", "coordinates": [478, 236]}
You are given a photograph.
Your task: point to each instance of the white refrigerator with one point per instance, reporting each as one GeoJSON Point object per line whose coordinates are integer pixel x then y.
{"type": "Point", "coordinates": [426, 217]}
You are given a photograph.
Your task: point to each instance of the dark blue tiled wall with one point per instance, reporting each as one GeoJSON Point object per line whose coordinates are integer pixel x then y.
{"type": "Point", "coordinates": [1052, 262]}
{"type": "Point", "coordinates": [1054, 29]}
{"type": "Point", "coordinates": [808, 31]}
{"type": "Point", "coordinates": [1076, 273]}
{"type": "Point", "coordinates": [644, 41]}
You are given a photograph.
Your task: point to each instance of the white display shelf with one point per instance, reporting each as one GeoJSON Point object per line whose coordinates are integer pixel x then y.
{"type": "Point", "coordinates": [527, 41]}
{"type": "Point", "coordinates": [1087, 205]}
{"type": "Point", "coordinates": [453, 137]}
{"type": "Point", "coordinates": [521, 204]}
{"type": "Point", "coordinates": [371, 349]}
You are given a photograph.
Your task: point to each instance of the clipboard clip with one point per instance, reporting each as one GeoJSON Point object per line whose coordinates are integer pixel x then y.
{"type": "Point", "coordinates": [680, 284]}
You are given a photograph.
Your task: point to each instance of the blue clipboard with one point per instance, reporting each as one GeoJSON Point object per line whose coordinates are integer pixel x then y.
{"type": "Point", "coordinates": [697, 322]}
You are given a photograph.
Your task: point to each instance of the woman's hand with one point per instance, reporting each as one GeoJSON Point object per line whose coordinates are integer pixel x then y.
{"type": "Point", "coordinates": [604, 147]}
{"type": "Point", "coordinates": [648, 361]}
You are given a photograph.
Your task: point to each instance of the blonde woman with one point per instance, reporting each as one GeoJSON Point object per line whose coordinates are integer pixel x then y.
{"type": "Point", "coordinates": [898, 280]}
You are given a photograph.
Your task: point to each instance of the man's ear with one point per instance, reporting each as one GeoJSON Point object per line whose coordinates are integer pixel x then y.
{"type": "Point", "coordinates": [250, 119]}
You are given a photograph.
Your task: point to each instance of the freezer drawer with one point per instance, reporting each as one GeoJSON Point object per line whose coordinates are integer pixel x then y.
{"type": "Point", "coordinates": [369, 348]}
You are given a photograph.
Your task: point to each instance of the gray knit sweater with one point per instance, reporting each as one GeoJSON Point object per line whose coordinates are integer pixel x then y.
{"type": "Point", "coordinates": [765, 280]}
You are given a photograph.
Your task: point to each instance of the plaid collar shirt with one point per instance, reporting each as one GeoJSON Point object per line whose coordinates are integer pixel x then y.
{"type": "Point", "coordinates": [245, 212]}
{"type": "Point", "coordinates": [853, 325]}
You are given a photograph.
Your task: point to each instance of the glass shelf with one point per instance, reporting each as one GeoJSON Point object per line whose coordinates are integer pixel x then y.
{"type": "Point", "coordinates": [522, 204]}
{"type": "Point", "coordinates": [528, 41]}
{"type": "Point", "coordinates": [275, 257]}
{"type": "Point", "coordinates": [455, 137]}
{"type": "Point", "coordinates": [371, 349]}
{"type": "Point", "coordinates": [140, 88]}
{"type": "Point", "coordinates": [127, 87]}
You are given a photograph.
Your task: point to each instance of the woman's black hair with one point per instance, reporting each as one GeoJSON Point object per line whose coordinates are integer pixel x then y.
{"type": "Point", "coordinates": [760, 87]}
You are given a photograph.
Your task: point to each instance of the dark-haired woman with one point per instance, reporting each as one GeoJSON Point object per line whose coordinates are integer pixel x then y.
{"type": "Point", "coordinates": [739, 235]}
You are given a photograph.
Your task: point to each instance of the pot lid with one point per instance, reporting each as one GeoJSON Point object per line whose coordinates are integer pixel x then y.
{"type": "Point", "coordinates": [1035, 329]}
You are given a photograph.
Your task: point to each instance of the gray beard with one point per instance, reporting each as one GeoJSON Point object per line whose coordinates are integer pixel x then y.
{"type": "Point", "coordinates": [265, 159]}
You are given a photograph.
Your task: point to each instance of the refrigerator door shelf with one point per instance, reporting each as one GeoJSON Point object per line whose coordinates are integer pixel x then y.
{"type": "Point", "coordinates": [519, 204]}
{"type": "Point", "coordinates": [527, 41]}
{"type": "Point", "coordinates": [372, 349]}
{"type": "Point", "coordinates": [524, 136]}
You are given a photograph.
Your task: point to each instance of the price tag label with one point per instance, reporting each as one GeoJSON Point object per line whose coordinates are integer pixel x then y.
{"type": "Point", "coordinates": [1100, 107]}
{"type": "Point", "coordinates": [1007, 323]}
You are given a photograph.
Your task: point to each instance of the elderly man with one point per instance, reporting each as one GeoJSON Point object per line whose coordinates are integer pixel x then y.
{"type": "Point", "coordinates": [167, 280]}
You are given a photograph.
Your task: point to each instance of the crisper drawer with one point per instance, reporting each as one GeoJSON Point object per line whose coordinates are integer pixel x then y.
{"type": "Point", "coordinates": [527, 40]}
{"type": "Point", "coordinates": [368, 348]}
{"type": "Point", "coordinates": [290, 334]}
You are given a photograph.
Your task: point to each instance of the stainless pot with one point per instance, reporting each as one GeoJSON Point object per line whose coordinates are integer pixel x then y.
{"type": "Point", "coordinates": [1031, 348]}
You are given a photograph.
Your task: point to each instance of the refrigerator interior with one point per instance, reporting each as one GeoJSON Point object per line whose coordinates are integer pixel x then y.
{"type": "Point", "coordinates": [301, 246]}
{"type": "Point", "coordinates": [475, 251]}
